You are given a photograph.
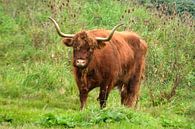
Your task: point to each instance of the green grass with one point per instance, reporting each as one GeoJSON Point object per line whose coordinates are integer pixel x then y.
{"type": "Point", "coordinates": [49, 113]}
{"type": "Point", "coordinates": [37, 87]}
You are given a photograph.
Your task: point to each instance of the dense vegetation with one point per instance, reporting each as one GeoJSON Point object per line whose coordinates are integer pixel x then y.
{"type": "Point", "coordinates": [37, 88]}
{"type": "Point", "coordinates": [172, 6]}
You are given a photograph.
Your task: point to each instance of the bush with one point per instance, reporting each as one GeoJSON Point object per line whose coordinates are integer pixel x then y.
{"type": "Point", "coordinates": [180, 6]}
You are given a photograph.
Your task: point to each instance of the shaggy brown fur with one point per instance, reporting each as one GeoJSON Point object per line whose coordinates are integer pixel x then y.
{"type": "Point", "coordinates": [118, 62]}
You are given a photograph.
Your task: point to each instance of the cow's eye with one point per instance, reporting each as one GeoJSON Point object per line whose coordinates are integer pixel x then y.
{"type": "Point", "coordinates": [85, 52]}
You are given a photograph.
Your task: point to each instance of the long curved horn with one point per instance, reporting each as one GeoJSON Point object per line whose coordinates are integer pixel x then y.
{"type": "Point", "coordinates": [59, 31]}
{"type": "Point", "coordinates": [111, 34]}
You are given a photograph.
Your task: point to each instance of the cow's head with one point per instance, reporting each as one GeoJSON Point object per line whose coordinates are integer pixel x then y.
{"type": "Point", "coordinates": [83, 44]}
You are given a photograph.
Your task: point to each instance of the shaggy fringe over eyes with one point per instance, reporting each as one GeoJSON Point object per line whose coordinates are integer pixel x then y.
{"type": "Point", "coordinates": [85, 39]}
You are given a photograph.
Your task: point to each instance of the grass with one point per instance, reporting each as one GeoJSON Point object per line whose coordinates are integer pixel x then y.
{"type": "Point", "coordinates": [44, 114]}
{"type": "Point", "coordinates": [37, 87]}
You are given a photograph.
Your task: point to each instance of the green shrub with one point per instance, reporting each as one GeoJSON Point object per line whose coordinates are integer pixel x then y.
{"type": "Point", "coordinates": [180, 6]}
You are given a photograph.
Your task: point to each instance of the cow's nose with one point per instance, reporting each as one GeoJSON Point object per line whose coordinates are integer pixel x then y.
{"type": "Point", "coordinates": [80, 62]}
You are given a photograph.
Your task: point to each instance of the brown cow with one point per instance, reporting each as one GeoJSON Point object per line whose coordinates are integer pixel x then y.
{"type": "Point", "coordinates": [117, 60]}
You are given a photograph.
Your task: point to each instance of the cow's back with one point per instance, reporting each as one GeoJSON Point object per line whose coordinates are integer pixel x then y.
{"type": "Point", "coordinates": [120, 55]}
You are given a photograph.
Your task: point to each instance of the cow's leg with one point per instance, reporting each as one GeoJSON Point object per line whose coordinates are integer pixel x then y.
{"type": "Point", "coordinates": [130, 93]}
{"type": "Point", "coordinates": [133, 92]}
{"type": "Point", "coordinates": [83, 97]}
{"type": "Point", "coordinates": [103, 95]}
{"type": "Point", "coordinates": [123, 91]}
{"type": "Point", "coordinates": [133, 88]}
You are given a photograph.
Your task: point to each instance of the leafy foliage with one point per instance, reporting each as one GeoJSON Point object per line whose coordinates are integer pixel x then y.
{"type": "Point", "coordinates": [92, 117]}
{"type": "Point", "coordinates": [181, 6]}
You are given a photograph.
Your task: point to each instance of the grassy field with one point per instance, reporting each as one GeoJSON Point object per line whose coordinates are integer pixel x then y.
{"type": "Point", "coordinates": [37, 87]}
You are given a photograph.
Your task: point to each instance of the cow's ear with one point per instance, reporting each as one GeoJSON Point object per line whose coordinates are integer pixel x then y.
{"type": "Point", "coordinates": [68, 42]}
{"type": "Point", "coordinates": [101, 44]}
